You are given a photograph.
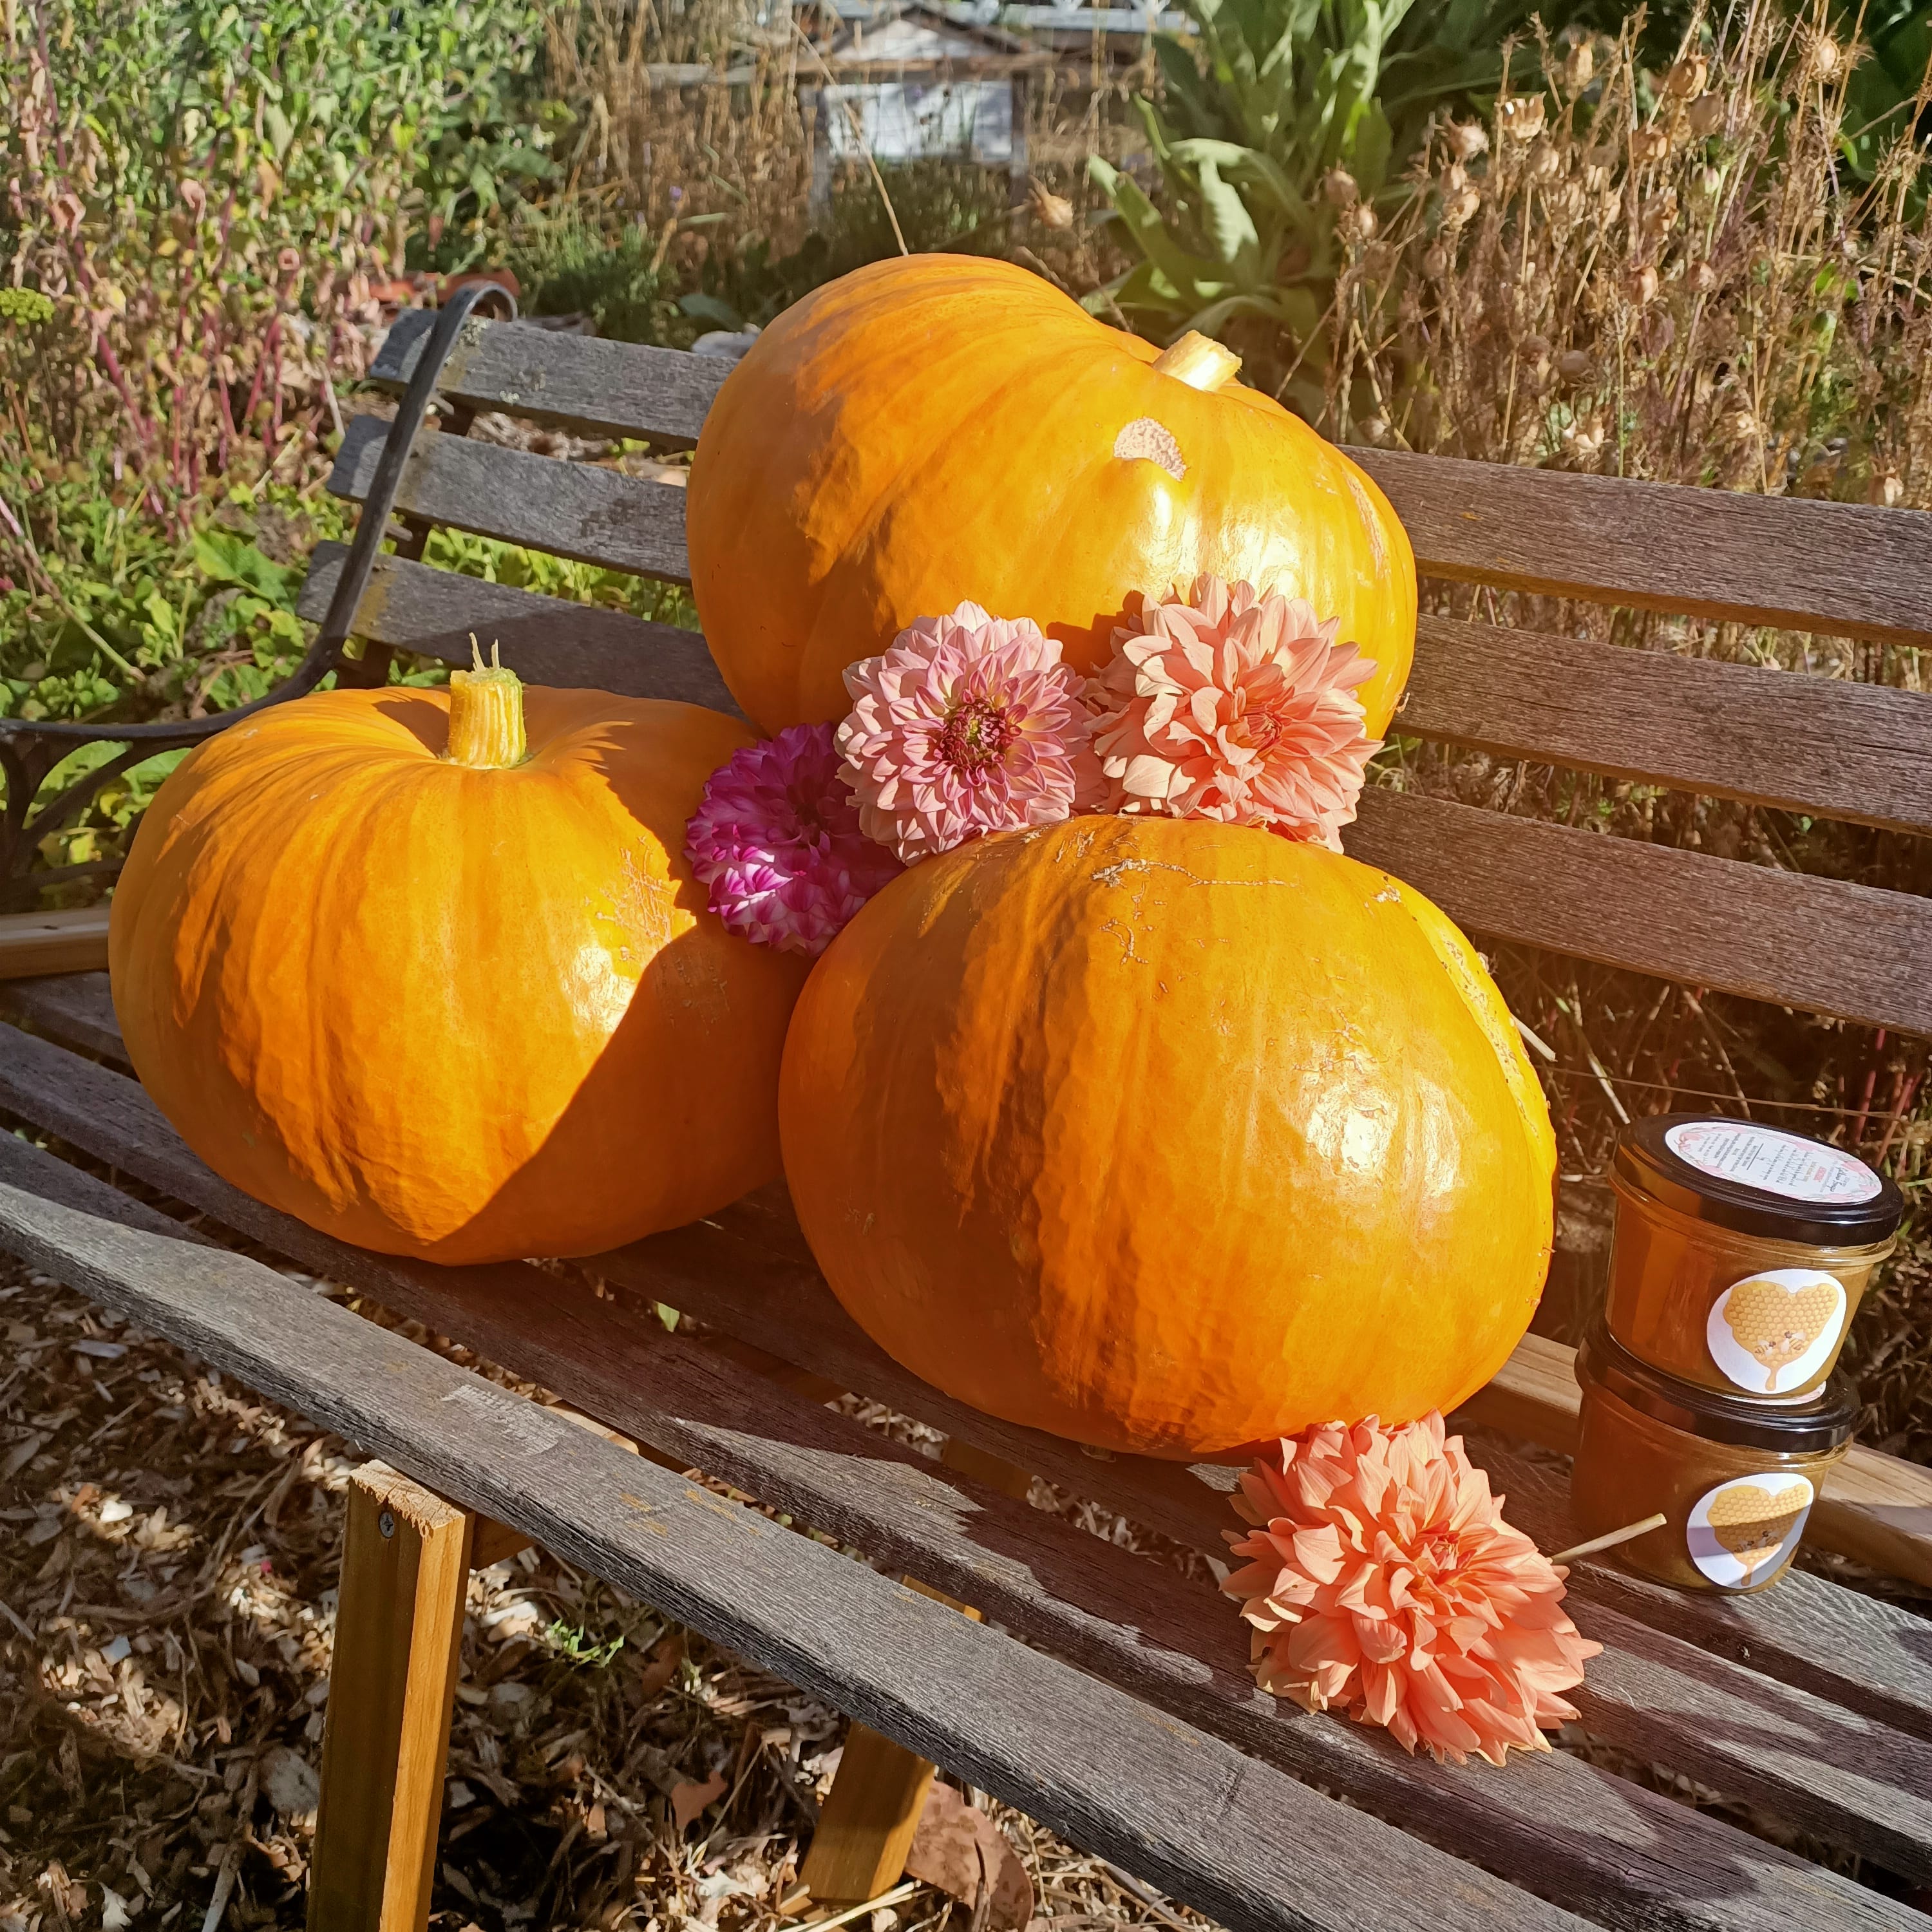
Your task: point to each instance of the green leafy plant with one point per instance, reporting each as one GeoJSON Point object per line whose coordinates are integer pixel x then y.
{"type": "Point", "coordinates": [1288, 133]}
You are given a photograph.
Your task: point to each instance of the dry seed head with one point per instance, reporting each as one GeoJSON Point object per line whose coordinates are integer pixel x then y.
{"type": "Point", "coordinates": [1522, 116]}
{"type": "Point", "coordinates": [1706, 114]}
{"type": "Point", "coordinates": [1545, 163]}
{"type": "Point", "coordinates": [1455, 178]}
{"type": "Point", "coordinates": [1709, 182]}
{"type": "Point", "coordinates": [1466, 139]}
{"type": "Point", "coordinates": [1339, 188]}
{"type": "Point", "coordinates": [1360, 222]}
{"type": "Point", "coordinates": [1574, 366]}
{"type": "Point", "coordinates": [1648, 145]}
{"type": "Point", "coordinates": [1578, 69]}
{"type": "Point", "coordinates": [1458, 208]}
{"type": "Point", "coordinates": [1701, 277]}
{"type": "Point", "coordinates": [1049, 210]}
{"type": "Point", "coordinates": [1640, 285]}
{"type": "Point", "coordinates": [1827, 56]}
{"type": "Point", "coordinates": [1685, 81]}
{"type": "Point", "coordinates": [1435, 262]}
{"type": "Point", "coordinates": [1740, 424]}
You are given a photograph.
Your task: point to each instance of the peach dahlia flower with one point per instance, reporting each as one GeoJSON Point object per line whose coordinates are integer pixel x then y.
{"type": "Point", "coordinates": [1383, 1581]}
{"type": "Point", "coordinates": [1234, 705]}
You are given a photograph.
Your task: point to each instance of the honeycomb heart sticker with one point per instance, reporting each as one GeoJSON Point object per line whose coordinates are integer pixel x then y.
{"type": "Point", "coordinates": [1743, 1532]}
{"type": "Point", "coordinates": [1772, 1333]}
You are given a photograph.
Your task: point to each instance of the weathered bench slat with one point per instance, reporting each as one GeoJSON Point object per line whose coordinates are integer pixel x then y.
{"type": "Point", "coordinates": [573, 509]}
{"type": "Point", "coordinates": [1821, 944]}
{"type": "Point", "coordinates": [76, 1009]}
{"type": "Point", "coordinates": [1846, 569]}
{"type": "Point", "coordinates": [790, 1454]}
{"type": "Point", "coordinates": [575, 383]}
{"type": "Point", "coordinates": [1249, 1845]}
{"type": "Point", "coordinates": [415, 607]}
{"type": "Point", "coordinates": [1826, 746]}
{"type": "Point", "coordinates": [741, 1275]}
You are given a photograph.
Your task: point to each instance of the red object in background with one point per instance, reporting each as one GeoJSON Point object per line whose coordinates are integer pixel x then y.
{"type": "Point", "coordinates": [501, 277]}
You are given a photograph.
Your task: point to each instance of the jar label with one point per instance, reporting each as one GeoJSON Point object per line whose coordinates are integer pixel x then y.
{"type": "Point", "coordinates": [1774, 1162]}
{"type": "Point", "coordinates": [1745, 1531]}
{"type": "Point", "coordinates": [1771, 1333]}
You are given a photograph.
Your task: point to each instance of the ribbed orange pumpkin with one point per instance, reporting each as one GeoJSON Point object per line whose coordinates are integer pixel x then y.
{"type": "Point", "coordinates": [441, 999]}
{"type": "Point", "coordinates": [1168, 1136]}
{"type": "Point", "coordinates": [939, 428]}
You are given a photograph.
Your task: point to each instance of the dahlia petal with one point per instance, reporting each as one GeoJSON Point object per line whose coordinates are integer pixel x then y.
{"type": "Point", "coordinates": [780, 844]}
{"type": "Point", "coordinates": [1414, 1605]}
{"type": "Point", "coordinates": [967, 725]}
{"type": "Point", "coordinates": [1247, 700]}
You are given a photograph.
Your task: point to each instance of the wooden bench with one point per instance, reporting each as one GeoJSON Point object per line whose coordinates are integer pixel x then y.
{"type": "Point", "coordinates": [1102, 1692]}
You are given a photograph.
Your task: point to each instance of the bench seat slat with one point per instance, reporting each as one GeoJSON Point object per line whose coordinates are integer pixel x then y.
{"type": "Point", "coordinates": [569, 1340]}
{"type": "Point", "coordinates": [576, 382]}
{"type": "Point", "coordinates": [573, 509]}
{"type": "Point", "coordinates": [414, 607]}
{"type": "Point", "coordinates": [1862, 752]}
{"type": "Point", "coordinates": [1848, 570]}
{"type": "Point", "coordinates": [1208, 1824]}
{"type": "Point", "coordinates": [1821, 944]}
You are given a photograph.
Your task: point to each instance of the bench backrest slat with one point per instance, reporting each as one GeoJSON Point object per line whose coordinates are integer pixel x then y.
{"type": "Point", "coordinates": [1846, 569]}
{"type": "Point", "coordinates": [577, 382]}
{"type": "Point", "coordinates": [571, 509]}
{"type": "Point", "coordinates": [1811, 744]}
{"type": "Point", "coordinates": [1824, 746]}
{"type": "Point", "coordinates": [1854, 952]}
{"type": "Point", "coordinates": [1828, 746]}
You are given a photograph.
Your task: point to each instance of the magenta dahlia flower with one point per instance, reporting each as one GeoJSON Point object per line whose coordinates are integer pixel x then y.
{"type": "Point", "coordinates": [968, 724]}
{"type": "Point", "coordinates": [776, 842]}
{"type": "Point", "coordinates": [1232, 705]}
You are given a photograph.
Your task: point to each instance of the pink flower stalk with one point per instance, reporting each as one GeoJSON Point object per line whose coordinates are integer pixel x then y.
{"type": "Point", "coordinates": [1383, 1580]}
{"type": "Point", "coordinates": [968, 724]}
{"type": "Point", "coordinates": [776, 842]}
{"type": "Point", "coordinates": [1232, 705]}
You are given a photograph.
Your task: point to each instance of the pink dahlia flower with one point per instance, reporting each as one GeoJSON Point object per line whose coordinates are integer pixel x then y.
{"type": "Point", "coordinates": [968, 724]}
{"type": "Point", "coordinates": [1383, 1580]}
{"type": "Point", "coordinates": [777, 844]}
{"type": "Point", "coordinates": [1232, 705]}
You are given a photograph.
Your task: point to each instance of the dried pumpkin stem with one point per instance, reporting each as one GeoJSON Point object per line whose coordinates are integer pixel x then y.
{"type": "Point", "coordinates": [486, 714]}
{"type": "Point", "coordinates": [1199, 360]}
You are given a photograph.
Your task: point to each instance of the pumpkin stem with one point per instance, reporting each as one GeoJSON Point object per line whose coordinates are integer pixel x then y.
{"type": "Point", "coordinates": [1199, 360]}
{"type": "Point", "coordinates": [486, 714]}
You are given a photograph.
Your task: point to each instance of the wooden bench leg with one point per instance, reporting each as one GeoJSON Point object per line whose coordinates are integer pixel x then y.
{"type": "Point", "coordinates": [398, 1644]}
{"type": "Point", "coordinates": [866, 1828]}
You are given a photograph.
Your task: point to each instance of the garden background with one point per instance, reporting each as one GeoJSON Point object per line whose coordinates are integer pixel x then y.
{"type": "Point", "coordinates": [1691, 244]}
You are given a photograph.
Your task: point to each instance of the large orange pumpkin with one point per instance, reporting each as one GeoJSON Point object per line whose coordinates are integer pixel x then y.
{"type": "Point", "coordinates": [1168, 1136]}
{"type": "Point", "coordinates": [939, 428]}
{"type": "Point", "coordinates": [438, 997]}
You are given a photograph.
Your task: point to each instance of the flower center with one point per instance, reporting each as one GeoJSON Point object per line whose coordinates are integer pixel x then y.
{"type": "Point", "coordinates": [976, 735]}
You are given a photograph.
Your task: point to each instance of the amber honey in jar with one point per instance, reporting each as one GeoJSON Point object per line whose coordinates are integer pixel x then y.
{"type": "Point", "coordinates": [1734, 1478]}
{"type": "Point", "coordinates": [1739, 1253]}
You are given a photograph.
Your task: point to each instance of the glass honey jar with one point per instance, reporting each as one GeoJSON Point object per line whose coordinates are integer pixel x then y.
{"type": "Point", "coordinates": [1734, 1479]}
{"type": "Point", "coordinates": [1739, 1253]}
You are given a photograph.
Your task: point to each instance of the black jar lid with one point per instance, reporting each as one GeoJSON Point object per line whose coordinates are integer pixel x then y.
{"type": "Point", "coordinates": [1759, 1181]}
{"type": "Point", "coordinates": [1825, 1421]}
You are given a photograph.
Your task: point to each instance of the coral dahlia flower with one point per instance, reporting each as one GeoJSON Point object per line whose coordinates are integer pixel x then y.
{"type": "Point", "coordinates": [776, 842]}
{"type": "Point", "coordinates": [1232, 705]}
{"type": "Point", "coordinates": [968, 724]}
{"type": "Point", "coordinates": [1383, 1581]}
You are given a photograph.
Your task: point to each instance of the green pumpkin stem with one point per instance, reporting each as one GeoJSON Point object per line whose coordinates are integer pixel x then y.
{"type": "Point", "coordinates": [486, 714]}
